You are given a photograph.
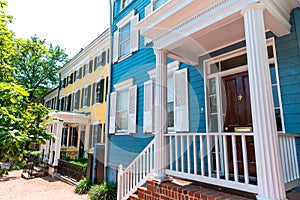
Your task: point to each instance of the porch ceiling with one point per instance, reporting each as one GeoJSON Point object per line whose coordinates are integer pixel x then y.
{"type": "Point", "coordinates": [189, 29]}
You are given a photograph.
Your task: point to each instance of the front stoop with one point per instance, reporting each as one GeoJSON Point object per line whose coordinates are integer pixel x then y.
{"type": "Point", "coordinates": [181, 190]}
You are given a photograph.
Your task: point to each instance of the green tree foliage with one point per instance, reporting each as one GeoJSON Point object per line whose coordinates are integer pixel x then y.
{"type": "Point", "coordinates": [21, 121]}
{"type": "Point", "coordinates": [6, 45]}
{"type": "Point", "coordinates": [37, 65]}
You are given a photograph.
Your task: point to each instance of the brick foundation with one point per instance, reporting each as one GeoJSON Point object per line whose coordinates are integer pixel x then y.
{"type": "Point", "coordinates": [180, 190]}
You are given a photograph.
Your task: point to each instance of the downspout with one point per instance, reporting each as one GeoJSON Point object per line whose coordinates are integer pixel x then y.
{"type": "Point", "coordinates": [108, 92]}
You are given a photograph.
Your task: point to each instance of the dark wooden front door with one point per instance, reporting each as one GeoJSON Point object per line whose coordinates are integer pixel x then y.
{"type": "Point", "coordinates": [238, 115]}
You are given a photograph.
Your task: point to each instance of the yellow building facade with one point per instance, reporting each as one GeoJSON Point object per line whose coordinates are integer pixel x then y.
{"type": "Point", "coordinates": [80, 103]}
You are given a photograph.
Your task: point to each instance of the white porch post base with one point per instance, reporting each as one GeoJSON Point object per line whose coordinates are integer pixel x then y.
{"type": "Point", "coordinates": [268, 161]}
{"type": "Point", "coordinates": [58, 135]}
{"type": "Point", "coordinates": [160, 120]}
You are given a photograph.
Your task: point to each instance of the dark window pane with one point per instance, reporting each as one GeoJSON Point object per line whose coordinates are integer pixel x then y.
{"type": "Point", "coordinates": [234, 62]}
{"type": "Point", "coordinates": [278, 119]}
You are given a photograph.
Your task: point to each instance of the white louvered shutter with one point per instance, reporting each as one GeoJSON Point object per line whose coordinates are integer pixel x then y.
{"type": "Point", "coordinates": [113, 112]}
{"type": "Point", "coordinates": [134, 34]}
{"type": "Point", "coordinates": [116, 47]}
{"type": "Point", "coordinates": [148, 107]}
{"type": "Point", "coordinates": [132, 109]}
{"type": "Point", "coordinates": [148, 11]}
{"type": "Point", "coordinates": [181, 108]}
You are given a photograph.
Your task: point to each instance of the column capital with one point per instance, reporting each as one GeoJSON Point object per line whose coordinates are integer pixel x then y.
{"type": "Point", "coordinates": [159, 51]}
{"type": "Point", "coordinates": [251, 7]}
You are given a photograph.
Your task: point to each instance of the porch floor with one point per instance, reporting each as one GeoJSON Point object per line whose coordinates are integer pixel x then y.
{"type": "Point", "coordinates": [179, 189]}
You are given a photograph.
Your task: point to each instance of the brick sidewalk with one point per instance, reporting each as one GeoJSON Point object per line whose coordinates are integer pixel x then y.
{"type": "Point", "coordinates": [13, 187]}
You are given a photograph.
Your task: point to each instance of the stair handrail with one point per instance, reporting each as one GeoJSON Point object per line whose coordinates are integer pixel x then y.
{"type": "Point", "coordinates": [138, 178]}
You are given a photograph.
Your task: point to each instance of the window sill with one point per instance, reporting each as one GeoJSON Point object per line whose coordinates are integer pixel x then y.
{"type": "Point", "coordinates": [125, 57]}
{"type": "Point", "coordinates": [122, 133]}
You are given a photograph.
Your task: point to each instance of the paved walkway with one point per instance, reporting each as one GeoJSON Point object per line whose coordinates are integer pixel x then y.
{"type": "Point", "coordinates": [13, 187]}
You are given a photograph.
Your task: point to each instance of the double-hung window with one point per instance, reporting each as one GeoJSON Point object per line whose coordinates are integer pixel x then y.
{"type": "Point", "coordinates": [125, 40]}
{"type": "Point", "coordinates": [86, 93]}
{"type": "Point", "coordinates": [98, 91]}
{"type": "Point", "coordinates": [126, 37]}
{"type": "Point", "coordinates": [177, 100]}
{"type": "Point", "coordinates": [123, 108]}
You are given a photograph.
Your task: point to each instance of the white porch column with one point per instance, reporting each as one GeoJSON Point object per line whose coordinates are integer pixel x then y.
{"type": "Point", "coordinates": [58, 135]}
{"type": "Point", "coordinates": [269, 169]}
{"type": "Point", "coordinates": [160, 120]}
{"type": "Point", "coordinates": [52, 144]}
{"type": "Point", "coordinates": [47, 146]}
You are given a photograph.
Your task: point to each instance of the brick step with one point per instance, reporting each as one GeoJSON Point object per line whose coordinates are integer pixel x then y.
{"type": "Point", "coordinates": [177, 189]}
{"type": "Point", "coordinates": [134, 197]}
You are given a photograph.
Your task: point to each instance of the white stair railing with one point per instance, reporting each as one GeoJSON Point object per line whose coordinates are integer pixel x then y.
{"type": "Point", "coordinates": [136, 174]}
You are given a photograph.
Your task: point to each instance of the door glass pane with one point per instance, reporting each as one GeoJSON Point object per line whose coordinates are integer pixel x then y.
{"type": "Point", "coordinates": [213, 104]}
{"type": "Point", "coordinates": [214, 68]}
{"type": "Point", "coordinates": [278, 119]}
{"type": "Point", "coordinates": [212, 86]}
{"type": "Point", "coordinates": [273, 74]}
{"type": "Point", "coordinates": [213, 125]}
{"type": "Point", "coordinates": [275, 96]}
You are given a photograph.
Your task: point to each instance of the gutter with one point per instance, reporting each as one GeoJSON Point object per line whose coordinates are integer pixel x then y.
{"type": "Point", "coordinates": [108, 91]}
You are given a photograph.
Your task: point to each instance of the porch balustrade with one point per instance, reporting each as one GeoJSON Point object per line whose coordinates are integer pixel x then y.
{"type": "Point", "coordinates": [213, 158]}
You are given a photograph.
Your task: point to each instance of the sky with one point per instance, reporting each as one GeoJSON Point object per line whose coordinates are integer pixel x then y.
{"type": "Point", "coordinates": [70, 24]}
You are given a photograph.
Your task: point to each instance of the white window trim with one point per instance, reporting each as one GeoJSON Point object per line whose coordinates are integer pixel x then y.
{"type": "Point", "coordinates": [86, 86]}
{"type": "Point", "coordinates": [124, 84]}
{"type": "Point", "coordinates": [171, 68]}
{"type": "Point", "coordinates": [95, 90]}
{"type": "Point", "coordinates": [120, 87]}
{"type": "Point", "coordinates": [129, 18]}
{"type": "Point", "coordinates": [232, 54]}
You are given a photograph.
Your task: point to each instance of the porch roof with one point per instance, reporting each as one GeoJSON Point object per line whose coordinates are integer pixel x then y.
{"type": "Point", "coordinates": [70, 117]}
{"type": "Point", "coordinates": [189, 29]}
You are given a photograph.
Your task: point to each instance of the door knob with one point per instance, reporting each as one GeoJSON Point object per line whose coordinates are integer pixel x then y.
{"type": "Point", "coordinates": [240, 97]}
{"type": "Point", "coordinates": [226, 128]}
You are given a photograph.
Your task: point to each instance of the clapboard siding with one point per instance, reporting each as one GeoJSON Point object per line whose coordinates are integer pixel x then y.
{"type": "Point", "coordinates": [123, 149]}
{"type": "Point", "coordinates": [287, 50]}
{"type": "Point", "coordinates": [288, 54]}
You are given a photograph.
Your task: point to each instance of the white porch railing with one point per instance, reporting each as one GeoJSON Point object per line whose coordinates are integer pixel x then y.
{"type": "Point", "coordinates": [288, 153]}
{"type": "Point", "coordinates": [136, 174]}
{"type": "Point", "coordinates": [209, 158]}
{"type": "Point", "coordinates": [214, 158]}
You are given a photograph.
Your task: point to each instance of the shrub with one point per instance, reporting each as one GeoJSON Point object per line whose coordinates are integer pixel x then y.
{"type": "Point", "coordinates": [67, 158]}
{"type": "Point", "coordinates": [83, 186]}
{"type": "Point", "coordinates": [106, 191]}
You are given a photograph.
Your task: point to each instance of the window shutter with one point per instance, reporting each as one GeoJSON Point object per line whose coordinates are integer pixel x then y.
{"type": "Point", "coordinates": [74, 100]}
{"type": "Point", "coordinates": [70, 102]}
{"type": "Point", "coordinates": [113, 112]}
{"type": "Point", "coordinates": [132, 109]}
{"type": "Point", "coordinates": [148, 11]}
{"type": "Point", "coordinates": [84, 68]}
{"type": "Point", "coordinates": [101, 90]}
{"type": "Point", "coordinates": [134, 34]}
{"type": "Point", "coordinates": [82, 97]}
{"type": "Point", "coordinates": [75, 75]}
{"type": "Point", "coordinates": [91, 66]}
{"type": "Point", "coordinates": [116, 47]}
{"type": "Point", "coordinates": [94, 93]}
{"type": "Point", "coordinates": [95, 63]}
{"type": "Point", "coordinates": [148, 107]}
{"type": "Point", "coordinates": [89, 96]}
{"type": "Point", "coordinates": [78, 99]}
{"type": "Point", "coordinates": [181, 109]}
{"type": "Point", "coordinates": [103, 59]}
{"type": "Point", "coordinates": [80, 72]}
{"type": "Point", "coordinates": [106, 88]}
